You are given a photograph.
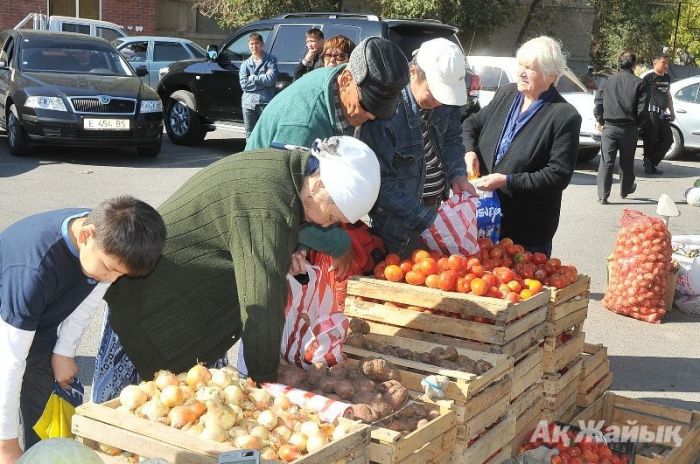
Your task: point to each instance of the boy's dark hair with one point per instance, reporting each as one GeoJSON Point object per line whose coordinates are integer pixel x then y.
{"type": "Point", "coordinates": [626, 60]}
{"type": "Point", "coordinates": [658, 56]}
{"type": "Point", "coordinates": [255, 36]}
{"type": "Point", "coordinates": [130, 230]}
{"type": "Point", "coordinates": [315, 32]}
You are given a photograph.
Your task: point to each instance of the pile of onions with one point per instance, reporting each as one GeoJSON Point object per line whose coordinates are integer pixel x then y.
{"type": "Point", "coordinates": [216, 405]}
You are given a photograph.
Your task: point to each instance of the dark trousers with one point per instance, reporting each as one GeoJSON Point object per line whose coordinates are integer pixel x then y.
{"type": "Point", "coordinates": [657, 138]}
{"type": "Point", "coordinates": [250, 118]}
{"type": "Point", "coordinates": [37, 386]}
{"type": "Point", "coordinates": [624, 140]}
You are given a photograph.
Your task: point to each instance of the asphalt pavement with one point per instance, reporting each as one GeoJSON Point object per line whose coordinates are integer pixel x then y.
{"type": "Point", "coordinates": [659, 363]}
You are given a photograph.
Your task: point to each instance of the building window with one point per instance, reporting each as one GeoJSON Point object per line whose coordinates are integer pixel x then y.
{"type": "Point", "coordinates": [89, 9]}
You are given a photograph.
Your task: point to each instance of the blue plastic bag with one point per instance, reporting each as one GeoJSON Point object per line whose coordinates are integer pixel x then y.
{"type": "Point", "coordinates": [488, 216]}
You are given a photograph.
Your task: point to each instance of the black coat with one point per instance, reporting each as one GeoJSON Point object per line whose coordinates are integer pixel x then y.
{"type": "Point", "coordinates": [540, 161]}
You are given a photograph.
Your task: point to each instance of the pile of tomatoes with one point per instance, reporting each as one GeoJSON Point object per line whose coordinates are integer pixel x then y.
{"type": "Point", "coordinates": [575, 448]}
{"type": "Point", "coordinates": [502, 270]}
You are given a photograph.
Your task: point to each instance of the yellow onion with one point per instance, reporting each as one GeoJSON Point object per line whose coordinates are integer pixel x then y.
{"type": "Point", "coordinates": [165, 378]}
{"type": "Point", "coordinates": [154, 409]}
{"type": "Point", "coordinates": [268, 453]}
{"type": "Point", "coordinates": [214, 433]}
{"type": "Point", "coordinates": [309, 428]}
{"type": "Point", "coordinates": [172, 396]}
{"type": "Point", "coordinates": [283, 433]}
{"type": "Point", "coordinates": [340, 431]}
{"type": "Point", "coordinates": [261, 432]}
{"type": "Point", "coordinates": [149, 388]}
{"type": "Point", "coordinates": [315, 442]}
{"type": "Point", "coordinates": [288, 453]}
{"type": "Point", "coordinates": [267, 419]}
{"type": "Point", "coordinates": [132, 397]}
{"type": "Point", "coordinates": [298, 441]}
{"type": "Point", "coordinates": [247, 442]}
{"type": "Point", "coordinates": [181, 415]}
{"type": "Point", "coordinates": [233, 394]}
{"type": "Point", "coordinates": [198, 376]}
{"type": "Point", "coordinates": [220, 378]}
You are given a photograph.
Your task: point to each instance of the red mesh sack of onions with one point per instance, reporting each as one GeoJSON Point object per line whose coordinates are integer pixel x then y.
{"type": "Point", "coordinates": [639, 268]}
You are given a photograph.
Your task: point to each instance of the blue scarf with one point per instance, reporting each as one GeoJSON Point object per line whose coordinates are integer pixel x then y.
{"type": "Point", "coordinates": [517, 120]}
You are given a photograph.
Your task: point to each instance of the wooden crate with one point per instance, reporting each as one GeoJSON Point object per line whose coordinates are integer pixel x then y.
{"type": "Point", "coordinates": [560, 392]}
{"type": "Point", "coordinates": [463, 386]}
{"type": "Point", "coordinates": [527, 370]}
{"type": "Point", "coordinates": [568, 307]}
{"type": "Point", "coordinates": [495, 441]}
{"type": "Point", "coordinates": [103, 423]}
{"type": "Point", "coordinates": [616, 410]}
{"type": "Point", "coordinates": [526, 400]}
{"type": "Point", "coordinates": [432, 443]}
{"type": "Point", "coordinates": [526, 424]}
{"type": "Point", "coordinates": [513, 327]}
{"type": "Point", "coordinates": [558, 355]}
{"type": "Point", "coordinates": [596, 377]}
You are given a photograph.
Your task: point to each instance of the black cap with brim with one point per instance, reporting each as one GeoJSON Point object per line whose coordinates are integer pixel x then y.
{"type": "Point", "coordinates": [380, 69]}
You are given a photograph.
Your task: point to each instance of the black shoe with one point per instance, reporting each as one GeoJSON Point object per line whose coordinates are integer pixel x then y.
{"type": "Point", "coordinates": [632, 190]}
{"type": "Point", "coordinates": [648, 169]}
{"type": "Point", "coordinates": [656, 171]}
{"type": "Point", "coordinates": [603, 201]}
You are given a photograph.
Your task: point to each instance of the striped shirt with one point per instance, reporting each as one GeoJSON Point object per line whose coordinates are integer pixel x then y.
{"type": "Point", "coordinates": [341, 123]}
{"type": "Point", "coordinates": [435, 185]}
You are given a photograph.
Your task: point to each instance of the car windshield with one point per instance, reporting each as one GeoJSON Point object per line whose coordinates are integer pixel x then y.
{"type": "Point", "coordinates": [409, 38]}
{"type": "Point", "coordinates": [73, 60]}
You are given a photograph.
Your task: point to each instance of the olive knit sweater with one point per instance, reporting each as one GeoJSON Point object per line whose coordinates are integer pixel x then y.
{"type": "Point", "coordinates": [231, 229]}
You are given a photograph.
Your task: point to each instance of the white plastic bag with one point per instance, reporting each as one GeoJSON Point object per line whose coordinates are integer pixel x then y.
{"type": "Point", "coordinates": [686, 250]}
{"type": "Point", "coordinates": [454, 229]}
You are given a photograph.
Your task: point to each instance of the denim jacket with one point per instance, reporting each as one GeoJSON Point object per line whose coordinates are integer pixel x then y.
{"type": "Point", "coordinates": [399, 211]}
{"type": "Point", "coordinates": [258, 82]}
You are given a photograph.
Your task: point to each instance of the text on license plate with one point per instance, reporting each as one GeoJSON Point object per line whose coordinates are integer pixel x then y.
{"type": "Point", "coordinates": [105, 124]}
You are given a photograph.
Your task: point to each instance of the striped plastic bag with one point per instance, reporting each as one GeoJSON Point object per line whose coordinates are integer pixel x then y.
{"type": "Point", "coordinates": [454, 229]}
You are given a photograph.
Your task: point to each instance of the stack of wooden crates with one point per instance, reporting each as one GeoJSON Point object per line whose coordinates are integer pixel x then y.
{"type": "Point", "coordinates": [486, 421]}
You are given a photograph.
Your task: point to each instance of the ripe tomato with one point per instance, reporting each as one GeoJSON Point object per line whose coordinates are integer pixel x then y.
{"type": "Point", "coordinates": [512, 297]}
{"type": "Point", "coordinates": [464, 285]}
{"type": "Point", "coordinates": [419, 255]}
{"type": "Point", "coordinates": [393, 273]}
{"type": "Point", "coordinates": [511, 250]}
{"type": "Point", "coordinates": [496, 253]}
{"type": "Point", "coordinates": [507, 241]}
{"type": "Point", "coordinates": [479, 286]}
{"type": "Point", "coordinates": [448, 280]}
{"type": "Point", "coordinates": [484, 243]}
{"type": "Point", "coordinates": [478, 270]}
{"type": "Point", "coordinates": [490, 279]}
{"type": "Point", "coordinates": [504, 274]}
{"type": "Point", "coordinates": [514, 286]}
{"type": "Point", "coordinates": [379, 270]}
{"type": "Point", "coordinates": [432, 281]}
{"type": "Point", "coordinates": [457, 262]}
{"type": "Point", "coordinates": [415, 278]}
{"type": "Point", "coordinates": [392, 258]}
{"type": "Point", "coordinates": [556, 262]}
{"type": "Point", "coordinates": [539, 258]}
{"type": "Point", "coordinates": [534, 285]}
{"type": "Point", "coordinates": [575, 452]}
{"type": "Point", "coordinates": [556, 460]}
{"type": "Point", "coordinates": [435, 255]}
{"type": "Point", "coordinates": [442, 264]}
{"type": "Point", "coordinates": [471, 262]}
{"type": "Point", "coordinates": [540, 274]}
{"type": "Point", "coordinates": [428, 266]}
{"type": "Point", "coordinates": [525, 293]}
{"type": "Point", "coordinates": [494, 292]}
{"type": "Point", "coordinates": [518, 258]}
{"type": "Point", "coordinates": [406, 265]}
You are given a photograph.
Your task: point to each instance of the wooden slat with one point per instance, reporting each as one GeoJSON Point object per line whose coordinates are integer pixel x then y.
{"type": "Point", "coordinates": [561, 310]}
{"type": "Point", "coordinates": [425, 322]}
{"type": "Point", "coordinates": [554, 328]}
{"type": "Point", "coordinates": [485, 399]}
{"type": "Point", "coordinates": [554, 383]}
{"type": "Point", "coordinates": [521, 326]}
{"type": "Point", "coordinates": [586, 399]}
{"type": "Point", "coordinates": [653, 409]}
{"type": "Point", "coordinates": [494, 440]}
{"type": "Point", "coordinates": [434, 452]}
{"type": "Point", "coordinates": [582, 284]}
{"type": "Point", "coordinates": [526, 400]}
{"type": "Point", "coordinates": [592, 356]}
{"type": "Point", "coordinates": [563, 413]}
{"type": "Point", "coordinates": [502, 456]}
{"type": "Point", "coordinates": [526, 424]}
{"type": "Point", "coordinates": [477, 424]}
{"type": "Point", "coordinates": [594, 376]}
{"type": "Point", "coordinates": [527, 372]}
{"type": "Point", "coordinates": [566, 396]}
{"type": "Point", "coordinates": [556, 359]}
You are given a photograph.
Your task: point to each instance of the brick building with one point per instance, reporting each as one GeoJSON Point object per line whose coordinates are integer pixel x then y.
{"type": "Point", "coordinates": [135, 16]}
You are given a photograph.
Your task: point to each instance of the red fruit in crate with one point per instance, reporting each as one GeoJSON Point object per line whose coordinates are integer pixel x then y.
{"type": "Point", "coordinates": [419, 255]}
{"type": "Point", "coordinates": [507, 241]}
{"type": "Point", "coordinates": [406, 265]}
{"type": "Point", "coordinates": [379, 270]}
{"type": "Point", "coordinates": [556, 262]}
{"type": "Point", "coordinates": [478, 270]}
{"type": "Point", "coordinates": [448, 280]}
{"type": "Point", "coordinates": [484, 243]}
{"type": "Point", "coordinates": [556, 460]}
{"type": "Point", "coordinates": [392, 258]}
{"type": "Point", "coordinates": [442, 264]}
{"type": "Point", "coordinates": [457, 262]}
{"type": "Point", "coordinates": [512, 297]}
{"type": "Point", "coordinates": [464, 285]}
{"type": "Point", "coordinates": [432, 281]}
{"type": "Point", "coordinates": [415, 278]}
{"type": "Point", "coordinates": [393, 273]}
{"type": "Point", "coordinates": [494, 292]}
{"type": "Point", "coordinates": [496, 253]}
{"type": "Point", "coordinates": [539, 258]}
{"type": "Point", "coordinates": [518, 258]}
{"type": "Point", "coordinates": [479, 287]}
{"type": "Point", "coordinates": [490, 279]}
{"type": "Point", "coordinates": [435, 255]}
{"type": "Point", "coordinates": [428, 266]}
{"type": "Point", "coordinates": [535, 286]}
{"type": "Point", "coordinates": [515, 286]}
{"type": "Point", "coordinates": [471, 262]}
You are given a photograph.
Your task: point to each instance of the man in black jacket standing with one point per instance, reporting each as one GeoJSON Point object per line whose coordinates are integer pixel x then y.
{"type": "Point", "coordinates": [657, 124]}
{"type": "Point", "coordinates": [618, 106]}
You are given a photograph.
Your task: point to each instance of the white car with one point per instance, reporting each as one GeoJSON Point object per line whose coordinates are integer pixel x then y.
{"type": "Point", "coordinates": [495, 71]}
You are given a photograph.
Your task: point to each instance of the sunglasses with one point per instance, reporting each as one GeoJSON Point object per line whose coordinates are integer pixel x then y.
{"type": "Point", "coordinates": [336, 56]}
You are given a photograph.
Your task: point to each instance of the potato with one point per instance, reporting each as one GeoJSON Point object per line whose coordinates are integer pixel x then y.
{"type": "Point", "coordinates": [355, 339]}
{"type": "Point", "coordinates": [381, 408]}
{"type": "Point", "coordinates": [327, 384]}
{"type": "Point", "coordinates": [338, 371]}
{"type": "Point", "coordinates": [451, 353]}
{"type": "Point", "coordinates": [366, 397]}
{"type": "Point", "coordinates": [354, 373]}
{"type": "Point", "coordinates": [365, 384]}
{"type": "Point", "coordinates": [394, 394]}
{"type": "Point", "coordinates": [359, 326]}
{"type": "Point", "coordinates": [380, 370]}
{"type": "Point", "coordinates": [449, 365]}
{"type": "Point", "coordinates": [437, 353]}
{"type": "Point", "coordinates": [396, 426]}
{"type": "Point", "coordinates": [363, 412]}
{"type": "Point", "coordinates": [422, 423]}
{"type": "Point", "coordinates": [432, 415]}
{"type": "Point", "coordinates": [315, 374]}
{"type": "Point", "coordinates": [345, 389]}
{"type": "Point", "coordinates": [426, 358]}
{"type": "Point", "coordinates": [482, 366]}
{"type": "Point", "coordinates": [467, 364]}
{"type": "Point", "coordinates": [291, 375]}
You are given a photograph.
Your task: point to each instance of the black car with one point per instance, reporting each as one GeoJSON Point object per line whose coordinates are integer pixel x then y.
{"type": "Point", "coordinates": [200, 95]}
{"type": "Point", "coordinates": [59, 88]}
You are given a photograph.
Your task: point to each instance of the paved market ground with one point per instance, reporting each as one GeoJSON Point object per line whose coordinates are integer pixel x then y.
{"type": "Point", "coordinates": [659, 363]}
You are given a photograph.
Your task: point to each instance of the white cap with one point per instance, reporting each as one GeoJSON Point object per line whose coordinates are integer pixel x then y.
{"type": "Point", "coordinates": [444, 66]}
{"type": "Point", "coordinates": [350, 172]}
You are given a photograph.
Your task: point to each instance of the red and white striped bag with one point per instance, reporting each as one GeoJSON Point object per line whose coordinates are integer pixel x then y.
{"type": "Point", "coordinates": [315, 327]}
{"type": "Point", "coordinates": [454, 229]}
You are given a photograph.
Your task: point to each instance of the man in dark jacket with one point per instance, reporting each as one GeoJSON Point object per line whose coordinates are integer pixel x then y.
{"type": "Point", "coordinates": [618, 106]}
{"type": "Point", "coordinates": [313, 59]}
{"type": "Point", "coordinates": [657, 123]}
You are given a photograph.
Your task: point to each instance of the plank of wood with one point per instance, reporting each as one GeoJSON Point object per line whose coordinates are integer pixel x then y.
{"type": "Point", "coordinates": [555, 383]}
{"type": "Point", "coordinates": [501, 457]}
{"type": "Point", "coordinates": [556, 359]}
{"type": "Point", "coordinates": [527, 371]}
{"type": "Point", "coordinates": [563, 413]}
{"type": "Point", "coordinates": [566, 308]}
{"type": "Point", "coordinates": [521, 326]}
{"type": "Point", "coordinates": [566, 396]}
{"type": "Point", "coordinates": [477, 424]}
{"type": "Point", "coordinates": [594, 376]}
{"type": "Point", "coordinates": [433, 452]}
{"type": "Point", "coordinates": [593, 412]}
{"type": "Point", "coordinates": [581, 285]}
{"type": "Point", "coordinates": [526, 400]}
{"type": "Point", "coordinates": [485, 399]}
{"type": "Point", "coordinates": [526, 424]}
{"type": "Point", "coordinates": [425, 322]}
{"type": "Point", "coordinates": [524, 342]}
{"type": "Point", "coordinates": [495, 439]}
{"type": "Point", "coordinates": [554, 328]}
{"type": "Point", "coordinates": [653, 409]}
{"type": "Point", "coordinates": [586, 399]}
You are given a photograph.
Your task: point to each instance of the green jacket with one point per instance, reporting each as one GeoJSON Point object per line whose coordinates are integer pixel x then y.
{"type": "Point", "coordinates": [300, 114]}
{"type": "Point", "coordinates": [232, 229]}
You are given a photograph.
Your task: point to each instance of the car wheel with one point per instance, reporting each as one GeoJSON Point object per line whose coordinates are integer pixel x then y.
{"type": "Point", "coordinates": [676, 149]}
{"type": "Point", "coordinates": [587, 154]}
{"type": "Point", "coordinates": [150, 151]}
{"type": "Point", "coordinates": [182, 122]}
{"type": "Point", "coordinates": [16, 139]}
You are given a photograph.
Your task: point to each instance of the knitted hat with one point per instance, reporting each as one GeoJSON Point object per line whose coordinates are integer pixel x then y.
{"type": "Point", "coordinates": [350, 173]}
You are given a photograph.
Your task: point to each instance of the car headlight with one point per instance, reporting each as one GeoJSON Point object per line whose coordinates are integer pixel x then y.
{"type": "Point", "coordinates": [151, 106]}
{"type": "Point", "coordinates": [46, 103]}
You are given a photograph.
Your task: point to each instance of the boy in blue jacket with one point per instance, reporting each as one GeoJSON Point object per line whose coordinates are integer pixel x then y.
{"type": "Point", "coordinates": [49, 263]}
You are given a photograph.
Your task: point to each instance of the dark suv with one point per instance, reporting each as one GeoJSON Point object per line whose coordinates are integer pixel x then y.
{"type": "Point", "coordinates": [201, 95]}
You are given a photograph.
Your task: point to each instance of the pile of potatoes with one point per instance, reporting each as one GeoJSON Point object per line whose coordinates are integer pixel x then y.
{"type": "Point", "coordinates": [373, 388]}
{"type": "Point", "coordinates": [447, 358]}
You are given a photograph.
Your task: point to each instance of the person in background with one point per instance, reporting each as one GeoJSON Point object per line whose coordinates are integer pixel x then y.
{"type": "Point", "coordinates": [420, 148]}
{"type": "Point", "coordinates": [657, 134]}
{"type": "Point", "coordinates": [258, 76]}
{"type": "Point", "coordinates": [337, 50]}
{"type": "Point", "coordinates": [314, 49]}
{"type": "Point", "coordinates": [526, 141]}
{"type": "Point", "coordinates": [619, 106]}
{"type": "Point", "coordinates": [49, 263]}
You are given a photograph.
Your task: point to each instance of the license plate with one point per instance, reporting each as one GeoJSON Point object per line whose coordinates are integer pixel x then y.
{"type": "Point", "coordinates": [105, 124]}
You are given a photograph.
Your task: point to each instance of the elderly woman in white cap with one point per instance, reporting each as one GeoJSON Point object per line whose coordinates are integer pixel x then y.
{"type": "Point", "coordinates": [526, 141]}
{"type": "Point", "coordinates": [232, 229]}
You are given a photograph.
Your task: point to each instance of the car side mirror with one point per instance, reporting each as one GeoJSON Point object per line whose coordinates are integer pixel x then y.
{"type": "Point", "coordinates": [212, 52]}
{"type": "Point", "coordinates": [141, 71]}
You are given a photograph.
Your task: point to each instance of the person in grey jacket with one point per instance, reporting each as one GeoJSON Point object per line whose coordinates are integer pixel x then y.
{"type": "Point", "coordinates": [618, 106]}
{"type": "Point", "coordinates": [258, 76]}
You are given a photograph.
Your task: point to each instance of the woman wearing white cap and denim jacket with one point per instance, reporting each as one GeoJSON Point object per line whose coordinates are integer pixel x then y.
{"type": "Point", "coordinates": [232, 229]}
{"type": "Point", "coordinates": [420, 148]}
